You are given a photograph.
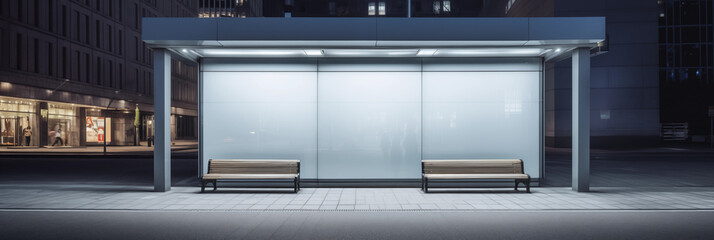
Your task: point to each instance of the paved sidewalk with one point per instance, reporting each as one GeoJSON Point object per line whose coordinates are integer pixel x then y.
{"type": "Point", "coordinates": [108, 197]}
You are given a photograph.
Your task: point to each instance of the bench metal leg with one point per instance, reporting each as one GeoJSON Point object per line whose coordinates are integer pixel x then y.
{"type": "Point", "coordinates": [528, 186]}
{"type": "Point", "coordinates": [516, 187]}
{"type": "Point", "coordinates": [426, 185]}
{"type": "Point", "coordinates": [296, 187]}
{"type": "Point", "coordinates": [203, 185]}
{"type": "Point", "coordinates": [215, 186]}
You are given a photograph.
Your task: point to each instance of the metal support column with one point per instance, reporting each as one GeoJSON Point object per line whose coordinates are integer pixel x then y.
{"type": "Point", "coordinates": [581, 119]}
{"type": "Point", "coordinates": [409, 8]}
{"type": "Point", "coordinates": [162, 120]}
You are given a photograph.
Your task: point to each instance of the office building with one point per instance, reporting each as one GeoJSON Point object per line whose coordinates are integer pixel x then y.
{"type": "Point", "coordinates": [685, 67]}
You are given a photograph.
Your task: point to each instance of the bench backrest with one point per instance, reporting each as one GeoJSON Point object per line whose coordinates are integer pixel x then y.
{"type": "Point", "coordinates": [254, 166]}
{"type": "Point", "coordinates": [466, 166]}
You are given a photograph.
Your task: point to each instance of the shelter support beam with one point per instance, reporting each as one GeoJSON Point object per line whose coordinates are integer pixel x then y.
{"type": "Point", "coordinates": [581, 119]}
{"type": "Point", "coordinates": [162, 120]}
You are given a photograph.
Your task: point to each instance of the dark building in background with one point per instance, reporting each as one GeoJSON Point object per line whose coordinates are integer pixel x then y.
{"type": "Point", "coordinates": [686, 60]}
{"type": "Point", "coordinates": [624, 82]}
{"type": "Point", "coordinates": [66, 65]}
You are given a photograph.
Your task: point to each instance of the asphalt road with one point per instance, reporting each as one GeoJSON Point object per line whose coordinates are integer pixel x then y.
{"type": "Point", "coordinates": [356, 225]}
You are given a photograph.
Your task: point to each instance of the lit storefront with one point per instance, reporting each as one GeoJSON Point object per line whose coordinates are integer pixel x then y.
{"type": "Point", "coordinates": [19, 120]}
{"type": "Point", "coordinates": [63, 125]}
{"type": "Point", "coordinates": [55, 124]}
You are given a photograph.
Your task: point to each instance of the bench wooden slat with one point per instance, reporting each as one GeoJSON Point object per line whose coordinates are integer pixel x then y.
{"type": "Point", "coordinates": [249, 176]}
{"type": "Point", "coordinates": [258, 169]}
{"type": "Point", "coordinates": [454, 169]}
{"type": "Point", "coordinates": [476, 176]}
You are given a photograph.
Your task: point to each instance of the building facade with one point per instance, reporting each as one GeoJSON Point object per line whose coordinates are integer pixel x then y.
{"type": "Point", "coordinates": [72, 70]}
{"type": "Point", "coordinates": [625, 82]}
{"type": "Point", "coordinates": [686, 61]}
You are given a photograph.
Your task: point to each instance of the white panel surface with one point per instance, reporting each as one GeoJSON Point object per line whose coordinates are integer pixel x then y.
{"type": "Point", "coordinates": [258, 65]}
{"type": "Point", "coordinates": [370, 65]}
{"type": "Point", "coordinates": [481, 64]}
{"type": "Point", "coordinates": [369, 125]}
{"type": "Point", "coordinates": [356, 121]}
{"type": "Point", "coordinates": [482, 115]}
{"type": "Point", "coordinates": [260, 115]}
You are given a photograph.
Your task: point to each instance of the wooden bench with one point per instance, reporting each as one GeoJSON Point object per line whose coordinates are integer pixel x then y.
{"type": "Point", "coordinates": [252, 169]}
{"type": "Point", "coordinates": [472, 169]}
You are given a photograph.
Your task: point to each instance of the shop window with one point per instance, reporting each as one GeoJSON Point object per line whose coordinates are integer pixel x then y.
{"type": "Point", "coordinates": [96, 129]}
{"type": "Point", "coordinates": [17, 122]}
{"type": "Point", "coordinates": [63, 125]}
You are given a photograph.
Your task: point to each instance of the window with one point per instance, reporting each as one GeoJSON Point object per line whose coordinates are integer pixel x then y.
{"type": "Point", "coordinates": [36, 8]}
{"type": "Point", "coordinates": [371, 8]}
{"type": "Point", "coordinates": [382, 8]}
{"type": "Point", "coordinates": [136, 79]}
{"type": "Point", "coordinates": [111, 40]}
{"type": "Point", "coordinates": [121, 11]}
{"type": "Point", "coordinates": [77, 74]}
{"type": "Point", "coordinates": [111, 74]}
{"type": "Point", "coordinates": [18, 57]}
{"type": "Point", "coordinates": [121, 43]}
{"type": "Point", "coordinates": [333, 8]}
{"type": "Point", "coordinates": [50, 58]}
{"type": "Point", "coordinates": [136, 16]}
{"type": "Point", "coordinates": [98, 33]}
{"type": "Point", "coordinates": [64, 62]}
{"type": "Point", "coordinates": [446, 6]}
{"type": "Point", "coordinates": [121, 76]}
{"type": "Point", "coordinates": [19, 9]}
{"type": "Point", "coordinates": [99, 71]}
{"type": "Point", "coordinates": [136, 46]}
{"type": "Point", "coordinates": [86, 29]}
{"type": "Point", "coordinates": [51, 17]}
{"type": "Point", "coordinates": [78, 26]}
{"type": "Point", "coordinates": [64, 20]}
{"type": "Point", "coordinates": [36, 61]}
{"type": "Point", "coordinates": [87, 68]}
